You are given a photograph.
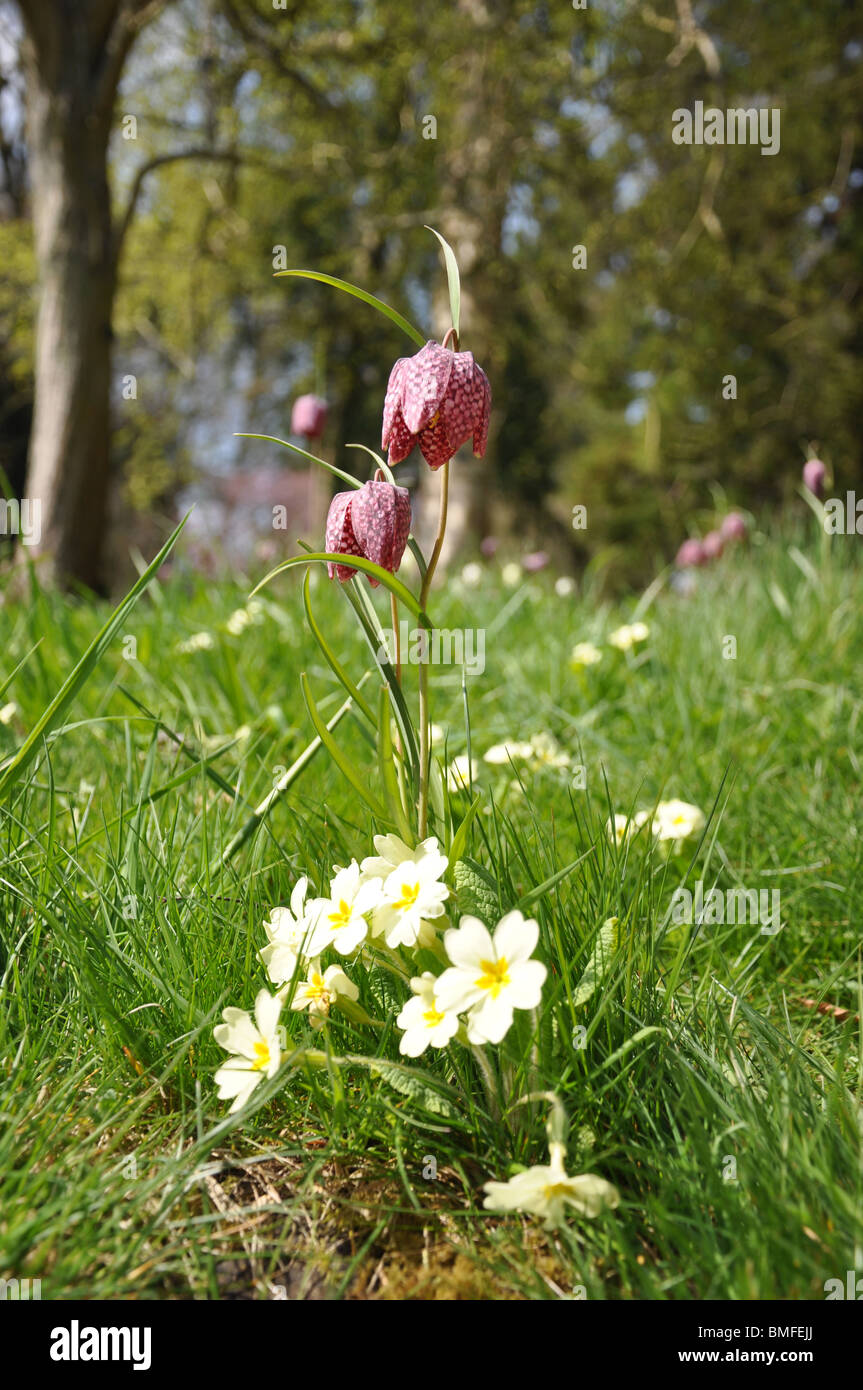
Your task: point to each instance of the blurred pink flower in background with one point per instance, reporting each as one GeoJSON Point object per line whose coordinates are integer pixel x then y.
{"type": "Point", "coordinates": [437, 399]}
{"type": "Point", "coordinates": [537, 560]}
{"type": "Point", "coordinates": [690, 553]}
{"type": "Point", "coordinates": [814, 473]}
{"type": "Point", "coordinates": [374, 521]}
{"type": "Point", "coordinates": [309, 416]}
{"type": "Point", "coordinates": [712, 546]}
{"type": "Point", "coordinates": [488, 547]}
{"type": "Point", "coordinates": [733, 527]}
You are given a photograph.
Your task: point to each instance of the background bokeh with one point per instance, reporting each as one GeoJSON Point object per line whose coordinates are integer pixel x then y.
{"type": "Point", "coordinates": [328, 133]}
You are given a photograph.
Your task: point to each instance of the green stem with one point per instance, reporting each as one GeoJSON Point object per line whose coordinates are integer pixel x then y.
{"type": "Point", "coordinates": [423, 669]}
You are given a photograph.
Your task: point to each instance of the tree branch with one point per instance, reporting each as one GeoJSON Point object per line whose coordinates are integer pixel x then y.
{"type": "Point", "coordinates": [124, 222]}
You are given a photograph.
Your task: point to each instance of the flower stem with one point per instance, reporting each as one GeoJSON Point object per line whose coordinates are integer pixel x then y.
{"type": "Point", "coordinates": [423, 666]}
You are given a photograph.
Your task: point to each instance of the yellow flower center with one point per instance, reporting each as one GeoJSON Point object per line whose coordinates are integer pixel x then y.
{"type": "Point", "coordinates": [433, 1017]}
{"type": "Point", "coordinates": [495, 975]}
{"type": "Point", "coordinates": [342, 917]}
{"type": "Point", "coordinates": [410, 893]}
{"type": "Point", "coordinates": [262, 1056]}
{"type": "Point", "coordinates": [316, 989]}
{"type": "Point", "coordinates": [556, 1189]}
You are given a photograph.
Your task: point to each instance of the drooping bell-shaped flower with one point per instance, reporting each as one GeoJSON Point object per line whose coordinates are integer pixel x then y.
{"type": "Point", "coordinates": [309, 416]}
{"type": "Point", "coordinates": [374, 521]}
{"type": "Point", "coordinates": [437, 399]}
{"type": "Point", "coordinates": [690, 554]}
{"type": "Point", "coordinates": [814, 473]}
{"type": "Point", "coordinates": [712, 545]}
{"type": "Point", "coordinates": [381, 518]}
{"type": "Point", "coordinates": [733, 527]}
{"type": "Point", "coordinates": [340, 538]}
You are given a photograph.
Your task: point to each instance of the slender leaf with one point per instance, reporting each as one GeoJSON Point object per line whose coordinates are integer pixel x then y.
{"type": "Point", "coordinates": [341, 760]}
{"type": "Point", "coordinates": [358, 562]}
{"type": "Point", "coordinates": [453, 279]}
{"type": "Point", "coordinates": [331, 658]}
{"type": "Point", "coordinates": [391, 314]}
{"type": "Point", "coordinates": [304, 453]}
{"type": "Point", "coordinates": [82, 672]}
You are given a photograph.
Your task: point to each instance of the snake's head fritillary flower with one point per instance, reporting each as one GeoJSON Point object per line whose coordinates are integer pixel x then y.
{"type": "Point", "coordinates": [814, 473]}
{"type": "Point", "coordinates": [690, 554]}
{"type": "Point", "coordinates": [381, 518]}
{"type": "Point", "coordinates": [733, 527]}
{"type": "Point", "coordinates": [374, 521]}
{"type": "Point", "coordinates": [339, 536]}
{"type": "Point", "coordinates": [712, 545]}
{"type": "Point", "coordinates": [309, 416]}
{"type": "Point", "coordinates": [437, 399]}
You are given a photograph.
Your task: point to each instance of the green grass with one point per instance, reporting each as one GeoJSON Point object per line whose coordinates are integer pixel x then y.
{"type": "Point", "coordinates": [122, 937]}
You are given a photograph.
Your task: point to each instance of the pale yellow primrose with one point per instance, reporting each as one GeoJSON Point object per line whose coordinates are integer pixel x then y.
{"type": "Point", "coordinates": [425, 1023]}
{"type": "Point", "coordinates": [491, 975]}
{"type": "Point", "coordinates": [256, 1048]}
{"type": "Point", "coordinates": [288, 933]}
{"type": "Point", "coordinates": [546, 1191]}
{"type": "Point", "coordinates": [318, 992]}
{"type": "Point", "coordinates": [340, 919]}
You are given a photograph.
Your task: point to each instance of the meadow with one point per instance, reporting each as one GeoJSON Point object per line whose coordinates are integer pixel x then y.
{"type": "Point", "coordinates": [711, 1071]}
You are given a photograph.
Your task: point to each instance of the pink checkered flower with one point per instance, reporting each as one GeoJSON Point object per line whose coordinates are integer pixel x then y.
{"type": "Point", "coordinates": [437, 399]}
{"type": "Point", "coordinates": [690, 554]}
{"type": "Point", "coordinates": [733, 527]}
{"type": "Point", "coordinates": [814, 474]}
{"type": "Point", "coordinates": [712, 545]}
{"type": "Point", "coordinates": [373, 521]}
{"type": "Point", "coordinates": [309, 416]}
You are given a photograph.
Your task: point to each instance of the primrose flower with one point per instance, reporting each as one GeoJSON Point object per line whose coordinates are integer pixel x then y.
{"type": "Point", "coordinates": [677, 820]}
{"type": "Point", "coordinates": [564, 586]}
{"type": "Point", "coordinates": [814, 474]}
{"type": "Point", "coordinates": [491, 975]}
{"type": "Point", "coordinates": [621, 828]}
{"type": "Point", "coordinates": [546, 1191]}
{"type": "Point", "coordinates": [255, 1046]}
{"type": "Point", "coordinates": [391, 852]}
{"type": "Point", "coordinates": [511, 574]}
{"type": "Point", "coordinates": [340, 919]}
{"type": "Point", "coordinates": [547, 752]}
{"type": "Point", "coordinates": [504, 753]}
{"type": "Point", "coordinates": [471, 575]}
{"type": "Point", "coordinates": [373, 521]}
{"type": "Point", "coordinates": [318, 992]}
{"type": "Point", "coordinates": [584, 654]}
{"type": "Point", "coordinates": [437, 399]}
{"type": "Point", "coordinates": [198, 642]}
{"type": "Point", "coordinates": [459, 775]}
{"type": "Point", "coordinates": [288, 932]}
{"type": "Point", "coordinates": [309, 416]}
{"type": "Point", "coordinates": [8, 712]}
{"type": "Point", "coordinates": [412, 897]}
{"type": "Point", "coordinates": [425, 1022]}
{"type": "Point", "coordinates": [628, 635]}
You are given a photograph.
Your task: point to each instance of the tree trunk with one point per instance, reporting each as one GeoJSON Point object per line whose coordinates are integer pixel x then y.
{"type": "Point", "coordinates": [72, 61]}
